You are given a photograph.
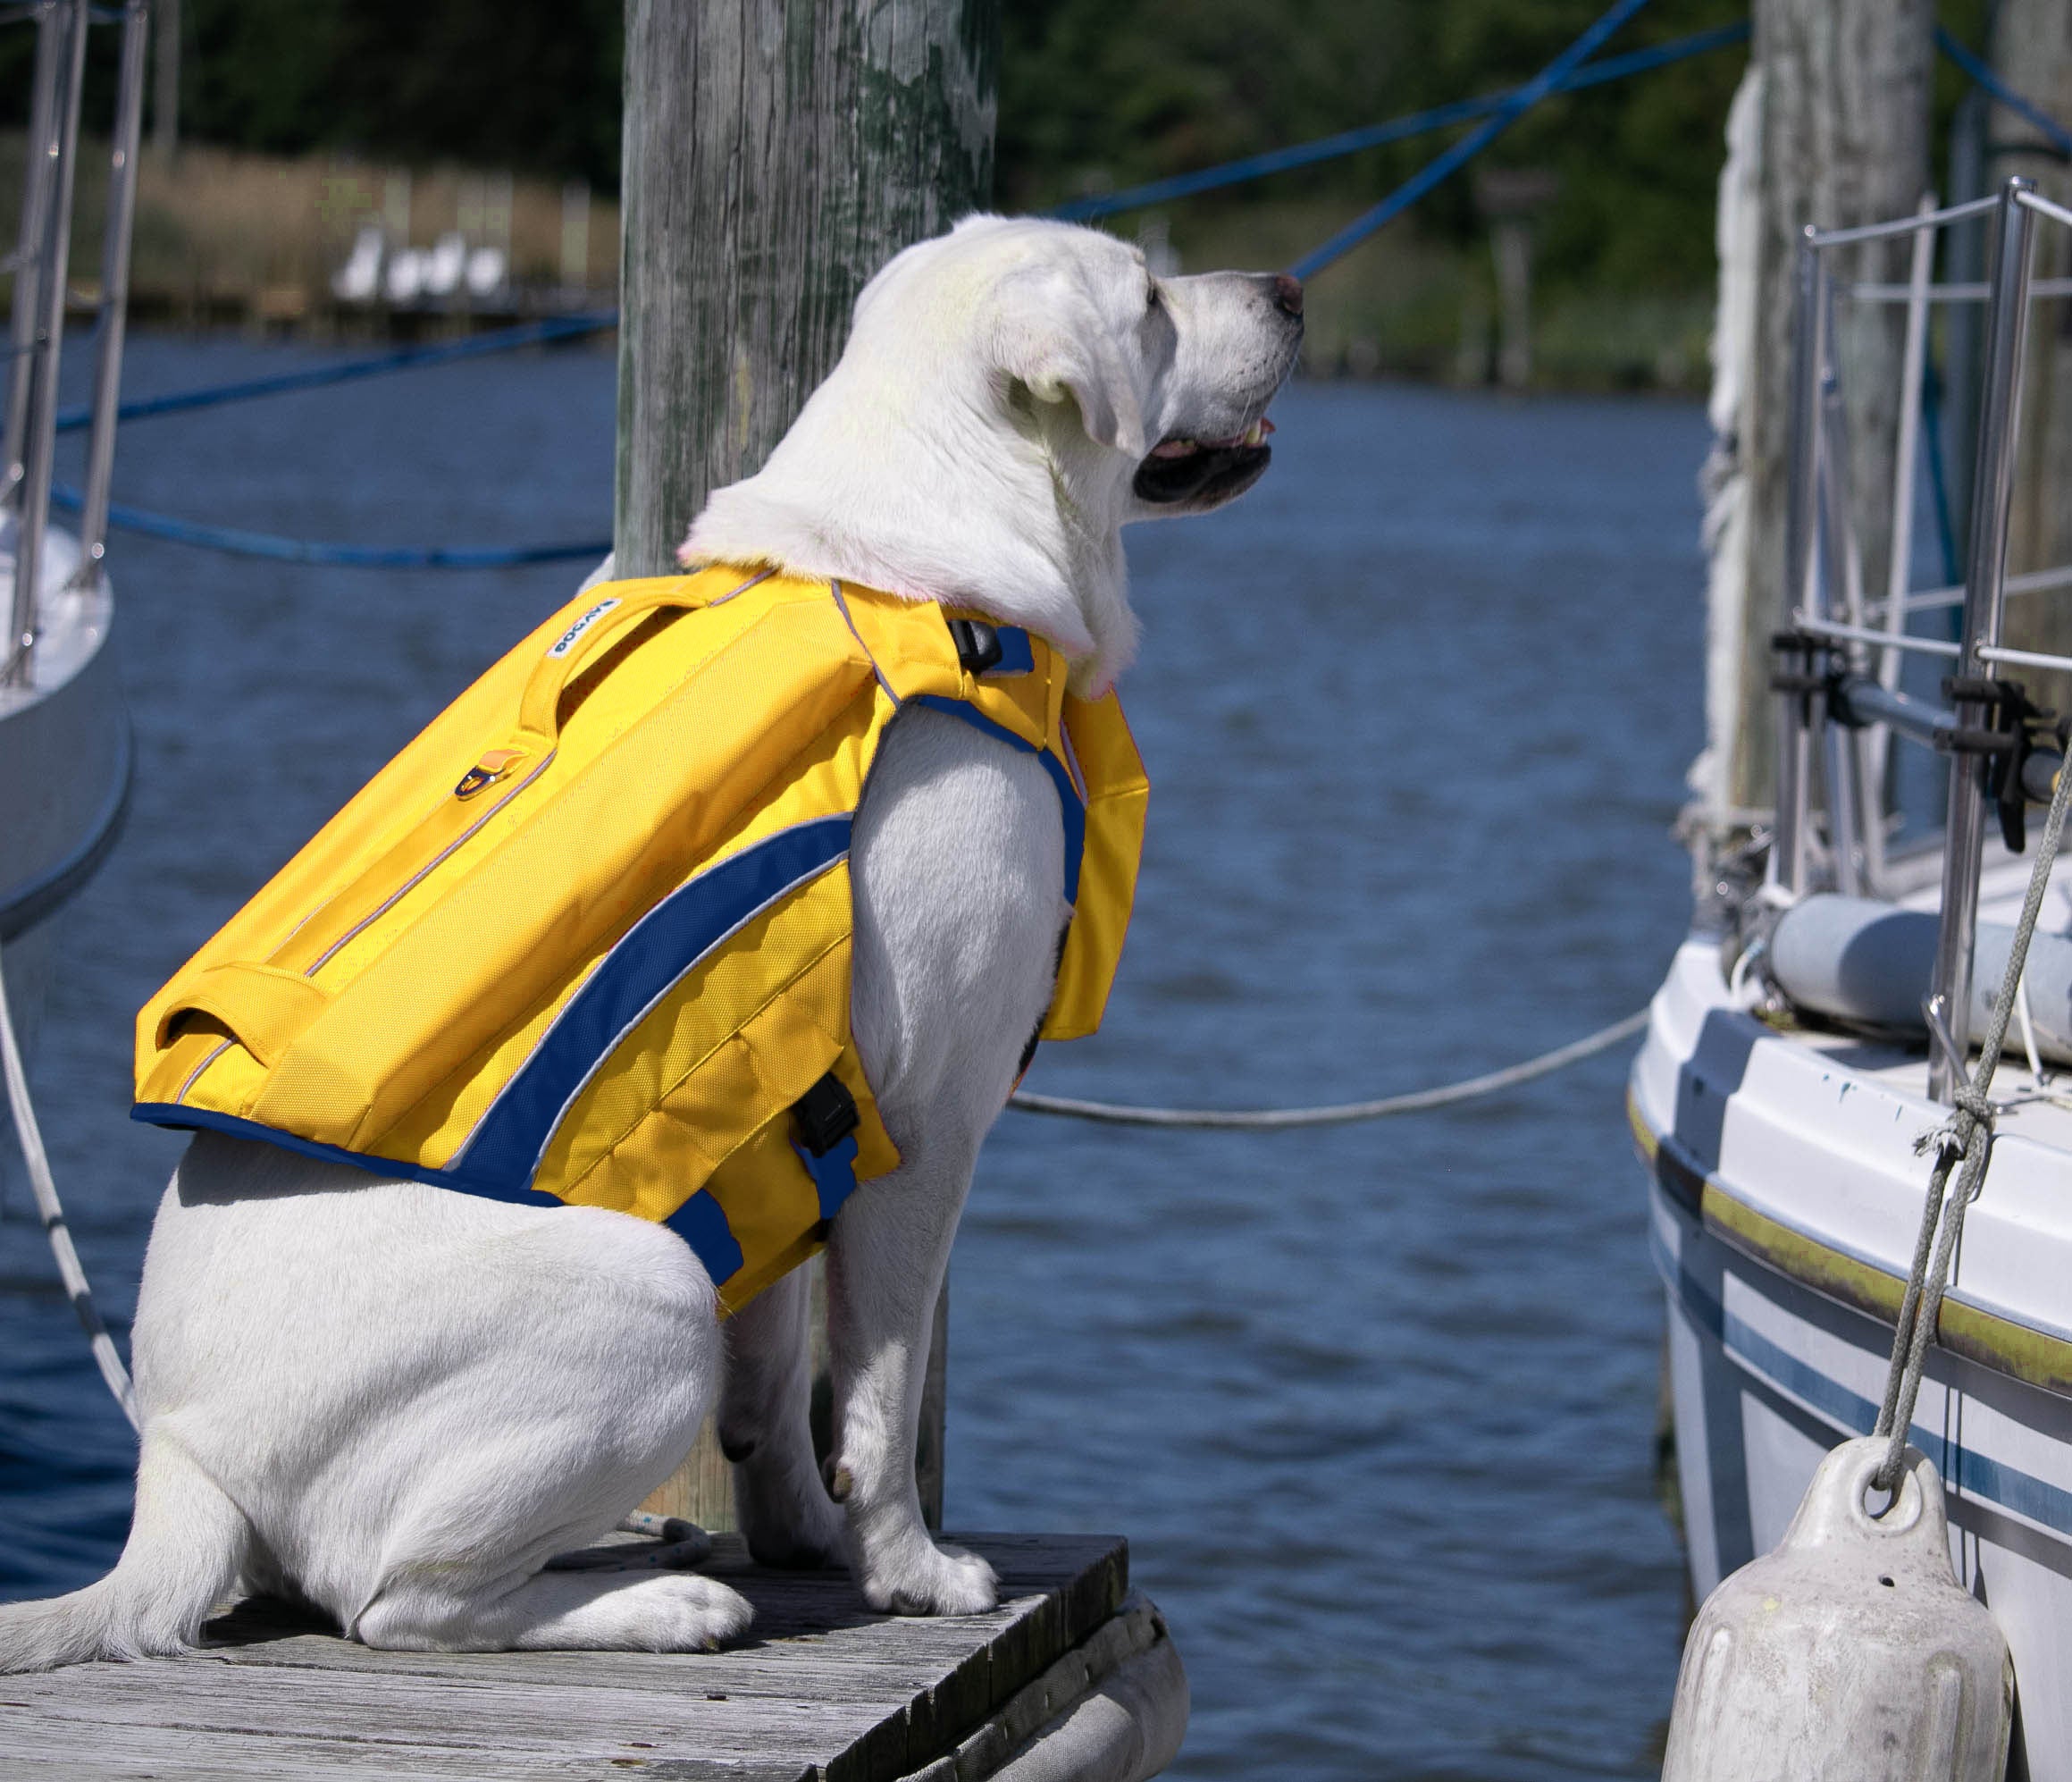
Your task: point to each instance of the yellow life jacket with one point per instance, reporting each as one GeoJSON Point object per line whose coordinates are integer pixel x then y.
{"type": "Point", "coordinates": [587, 937]}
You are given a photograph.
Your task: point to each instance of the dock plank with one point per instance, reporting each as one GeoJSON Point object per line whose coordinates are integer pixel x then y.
{"type": "Point", "coordinates": [822, 1690]}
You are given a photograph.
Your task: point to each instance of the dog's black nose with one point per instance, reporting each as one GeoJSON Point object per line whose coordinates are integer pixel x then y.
{"type": "Point", "coordinates": [1288, 293]}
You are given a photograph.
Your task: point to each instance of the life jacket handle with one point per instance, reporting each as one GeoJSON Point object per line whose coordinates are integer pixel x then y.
{"type": "Point", "coordinates": [266, 1007]}
{"type": "Point", "coordinates": [539, 709]}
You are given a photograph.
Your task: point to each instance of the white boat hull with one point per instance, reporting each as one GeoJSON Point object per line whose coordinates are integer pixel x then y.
{"type": "Point", "coordinates": [1785, 1192]}
{"type": "Point", "coordinates": [64, 770]}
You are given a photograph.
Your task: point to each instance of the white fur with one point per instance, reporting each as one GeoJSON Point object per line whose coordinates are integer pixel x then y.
{"type": "Point", "coordinates": [974, 445]}
{"type": "Point", "coordinates": [398, 1402]}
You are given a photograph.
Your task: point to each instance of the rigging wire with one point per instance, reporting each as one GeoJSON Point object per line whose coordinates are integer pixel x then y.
{"type": "Point", "coordinates": [350, 371]}
{"type": "Point", "coordinates": [1434, 172]}
{"type": "Point", "coordinates": [1981, 74]}
{"type": "Point", "coordinates": [235, 541]}
{"type": "Point", "coordinates": [1395, 129]}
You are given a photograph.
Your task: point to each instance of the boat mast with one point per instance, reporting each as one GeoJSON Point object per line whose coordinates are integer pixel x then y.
{"type": "Point", "coordinates": [774, 159]}
{"type": "Point", "coordinates": [1831, 128]}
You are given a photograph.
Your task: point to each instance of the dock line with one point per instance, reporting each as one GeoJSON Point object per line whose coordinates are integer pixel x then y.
{"type": "Point", "coordinates": [1340, 1113]}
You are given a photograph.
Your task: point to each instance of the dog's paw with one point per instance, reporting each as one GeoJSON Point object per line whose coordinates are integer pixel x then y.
{"type": "Point", "coordinates": [931, 1580]}
{"type": "Point", "coordinates": [679, 1613]}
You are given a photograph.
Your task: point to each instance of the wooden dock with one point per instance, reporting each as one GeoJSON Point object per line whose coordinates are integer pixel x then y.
{"type": "Point", "coordinates": [1072, 1677]}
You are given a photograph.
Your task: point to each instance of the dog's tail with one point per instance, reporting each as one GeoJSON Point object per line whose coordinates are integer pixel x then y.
{"type": "Point", "coordinates": [187, 1544]}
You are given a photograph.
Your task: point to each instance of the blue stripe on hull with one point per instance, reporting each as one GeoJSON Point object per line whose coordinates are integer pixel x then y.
{"type": "Point", "coordinates": [1973, 1473]}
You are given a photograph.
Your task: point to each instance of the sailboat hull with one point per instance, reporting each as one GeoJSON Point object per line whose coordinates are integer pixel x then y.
{"type": "Point", "coordinates": [1784, 1192]}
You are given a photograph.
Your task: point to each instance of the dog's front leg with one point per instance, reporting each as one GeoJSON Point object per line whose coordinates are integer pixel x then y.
{"type": "Point", "coordinates": [886, 1259]}
{"type": "Point", "coordinates": [764, 1429]}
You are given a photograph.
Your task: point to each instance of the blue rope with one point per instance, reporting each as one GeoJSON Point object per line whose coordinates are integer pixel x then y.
{"type": "Point", "coordinates": [2059, 137]}
{"type": "Point", "coordinates": [240, 544]}
{"type": "Point", "coordinates": [1515, 104]}
{"type": "Point", "coordinates": [349, 371]}
{"type": "Point", "coordinates": [1373, 135]}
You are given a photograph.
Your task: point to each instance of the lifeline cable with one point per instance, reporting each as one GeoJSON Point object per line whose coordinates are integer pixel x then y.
{"type": "Point", "coordinates": [1340, 1113]}
{"type": "Point", "coordinates": [53, 1214]}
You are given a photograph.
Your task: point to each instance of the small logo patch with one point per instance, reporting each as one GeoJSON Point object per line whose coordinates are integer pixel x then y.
{"type": "Point", "coordinates": [563, 644]}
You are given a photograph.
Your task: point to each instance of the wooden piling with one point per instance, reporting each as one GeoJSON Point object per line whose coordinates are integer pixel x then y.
{"type": "Point", "coordinates": [2032, 50]}
{"type": "Point", "coordinates": [1844, 91]}
{"type": "Point", "coordinates": [774, 159]}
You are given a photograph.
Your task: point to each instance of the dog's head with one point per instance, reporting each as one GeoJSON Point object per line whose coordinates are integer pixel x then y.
{"type": "Point", "coordinates": [1169, 379]}
{"type": "Point", "coordinates": [1012, 395]}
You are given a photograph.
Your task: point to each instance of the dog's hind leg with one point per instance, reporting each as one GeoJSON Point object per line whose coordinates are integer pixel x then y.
{"type": "Point", "coordinates": [564, 1611]}
{"type": "Point", "coordinates": [511, 1465]}
{"type": "Point", "coordinates": [782, 1507]}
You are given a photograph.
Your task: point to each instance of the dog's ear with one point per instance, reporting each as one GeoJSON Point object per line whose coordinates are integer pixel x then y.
{"type": "Point", "coordinates": [1053, 338]}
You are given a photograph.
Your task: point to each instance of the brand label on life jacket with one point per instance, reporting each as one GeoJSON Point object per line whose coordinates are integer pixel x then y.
{"type": "Point", "coordinates": [566, 641]}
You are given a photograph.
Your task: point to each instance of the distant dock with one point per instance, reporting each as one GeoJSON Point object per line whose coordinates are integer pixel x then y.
{"type": "Point", "coordinates": [1071, 1677]}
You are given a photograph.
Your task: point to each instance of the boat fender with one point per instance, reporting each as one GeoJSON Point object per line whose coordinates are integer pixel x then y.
{"type": "Point", "coordinates": [1866, 965]}
{"type": "Point", "coordinates": [1850, 1652]}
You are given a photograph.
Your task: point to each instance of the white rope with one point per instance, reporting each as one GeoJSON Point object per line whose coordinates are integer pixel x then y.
{"type": "Point", "coordinates": [53, 1214]}
{"type": "Point", "coordinates": [2029, 1032]}
{"type": "Point", "coordinates": [1279, 1119]}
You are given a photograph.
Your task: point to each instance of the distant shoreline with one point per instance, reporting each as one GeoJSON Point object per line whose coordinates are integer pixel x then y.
{"type": "Point", "coordinates": [251, 243]}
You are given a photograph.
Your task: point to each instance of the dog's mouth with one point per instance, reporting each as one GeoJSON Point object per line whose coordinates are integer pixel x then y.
{"type": "Point", "coordinates": [1205, 473]}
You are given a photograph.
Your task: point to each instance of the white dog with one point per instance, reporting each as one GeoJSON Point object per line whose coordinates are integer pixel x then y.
{"type": "Point", "coordinates": [397, 1402]}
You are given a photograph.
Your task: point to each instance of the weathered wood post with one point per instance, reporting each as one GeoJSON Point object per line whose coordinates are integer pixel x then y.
{"type": "Point", "coordinates": [1834, 120]}
{"type": "Point", "coordinates": [2032, 49]}
{"type": "Point", "coordinates": [774, 158]}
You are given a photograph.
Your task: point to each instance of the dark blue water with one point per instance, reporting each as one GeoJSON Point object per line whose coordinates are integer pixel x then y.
{"type": "Point", "coordinates": [1374, 1405]}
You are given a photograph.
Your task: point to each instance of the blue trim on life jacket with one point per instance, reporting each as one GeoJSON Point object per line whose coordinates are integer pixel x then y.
{"type": "Point", "coordinates": [703, 1226]}
{"type": "Point", "coordinates": [207, 1119]}
{"type": "Point", "coordinates": [509, 1139]}
{"type": "Point", "coordinates": [834, 1173]}
{"type": "Point", "coordinates": [1071, 805]}
{"type": "Point", "coordinates": [701, 1222]}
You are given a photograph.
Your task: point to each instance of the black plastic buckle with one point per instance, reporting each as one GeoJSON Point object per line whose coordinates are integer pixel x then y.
{"type": "Point", "coordinates": [826, 1116]}
{"type": "Point", "coordinates": [1794, 673]}
{"type": "Point", "coordinates": [978, 645]}
{"type": "Point", "coordinates": [2013, 723]}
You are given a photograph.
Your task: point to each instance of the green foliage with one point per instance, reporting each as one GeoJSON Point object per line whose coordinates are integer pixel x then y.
{"type": "Point", "coordinates": [1093, 95]}
{"type": "Point", "coordinates": [531, 85]}
{"type": "Point", "coordinates": [528, 85]}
